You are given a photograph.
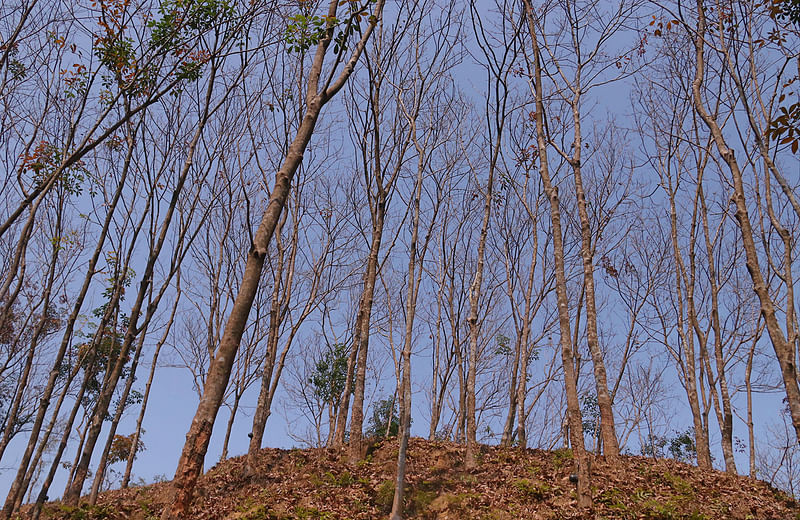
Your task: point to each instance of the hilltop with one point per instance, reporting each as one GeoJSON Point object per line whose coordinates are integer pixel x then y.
{"type": "Point", "coordinates": [508, 483]}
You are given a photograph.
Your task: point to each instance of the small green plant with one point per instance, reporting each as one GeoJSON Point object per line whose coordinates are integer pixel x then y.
{"type": "Point", "coordinates": [678, 484]}
{"type": "Point", "coordinates": [612, 498]}
{"type": "Point", "coordinates": [532, 488]}
{"type": "Point", "coordinates": [384, 496]}
{"type": "Point", "coordinates": [259, 512]}
{"type": "Point", "coordinates": [311, 513]}
{"type": "Point", "coordinates": [343, 479]}
{"type": "Point", "coordinates": [384, 421]}
{"type": "Point", "coordinates": [562, 457]}
{"type": "Point", "coordinates": [421, 499]}
{"type": "Point", "coordinates": [87, 512]}
{"type": "Point", "coordinates": [655, 510]}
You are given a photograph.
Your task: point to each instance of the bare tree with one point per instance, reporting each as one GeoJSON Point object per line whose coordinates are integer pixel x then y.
{"type": "Point", "coordinates": [320, 90]}
{"type": "Point", "coordinates": [574, 419]}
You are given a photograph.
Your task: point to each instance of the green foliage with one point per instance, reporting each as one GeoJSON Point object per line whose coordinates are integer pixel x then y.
{"type": "Point", "coordinates": [658, 510]}
{"type": "Point", "coordinates": [330, 374]}
{"type": "Point", "coordinates": [182, 20]}
{"type": "Point", "coordinates": [174, 34]}
{"type": "Point", "coordinates": [787, 10]}
{"type": "Point", "coordinates": [384, 418]}
{"type": "Point", "coordinates": [251, 510]}
{"type": "Point", "coordinates": [421, 499]}
{"type": "Point", "coordinates": [785, 126]}
{"type": "Point", "coordinates": [590, 411]}
{"type": "Point", "coordinates": [613, 499]}
{"type": "Point", "coordinates": [311, 513]}
{"type": "Point", "coordinates": [503, 345]}
{"type": "Point", "coordinates": [304, 31]}
{"type": "Point", "coordinates": [678, 484]}
{"type": "Point", "coordinates": [343, 479]}
{"type": "Point", "coordinates": [533, 488]}
{"type": "Point", "coordinates": [44, 161]}
{"type": "Point", "coordinates": [679, 446]}
{"type": "Point", "coordinates": [87, 512]}
{"type": "Point", "coordinates": [562, 457]}
{"type": "Point", "coordinates": [384, 496]}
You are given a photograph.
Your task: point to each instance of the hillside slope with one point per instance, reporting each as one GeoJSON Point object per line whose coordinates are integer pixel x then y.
{"type": "Point", "coordinates": [506, 484]}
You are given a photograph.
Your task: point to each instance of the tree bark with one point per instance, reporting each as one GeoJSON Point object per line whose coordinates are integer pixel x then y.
{"type": "Point", "coordinates": [191, 461]}
{"type": "Point", "coordinates": [574, 419]}
{"type": "Point", "coordinates": [784, 351]}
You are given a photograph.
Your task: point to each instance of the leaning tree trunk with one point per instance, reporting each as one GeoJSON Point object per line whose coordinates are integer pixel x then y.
{"type": "Point", "coordinates": [784, 351]}
{"type": "Point", "coordinates": [140, 419]}
{"type": "Point", "coordinates": [190, 464]}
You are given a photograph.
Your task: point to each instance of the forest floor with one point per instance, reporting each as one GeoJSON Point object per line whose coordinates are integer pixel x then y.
{"type": "Point", "coordinates": [507, 483]}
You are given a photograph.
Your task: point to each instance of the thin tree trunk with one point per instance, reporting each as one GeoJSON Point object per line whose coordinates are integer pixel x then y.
{"type": "Point", "coordinates": [17, 491]}
{"type": "Point", "coordinates": [784, 351]}
{"type": "Point", "coordinates": [232, 418]}
{"type": "Point", "coordinates": [522, 386]}
{"type": "Point", "coordinates": [362, 323]}
{"type": "Point", "coordinates": [191, 461]}
{"type": "Point", "coordinates": [126, 477]}
{"type": "Point", "coordinates": [687, 364]}
{"type": "Point", "coordinates": [475, 296]}
{"type": "Point", "coordinates": [415, 268]}
{"type": "Point", "coordinates": [749, 387]}
{"type": "Point", "coordinates": [574, 421]}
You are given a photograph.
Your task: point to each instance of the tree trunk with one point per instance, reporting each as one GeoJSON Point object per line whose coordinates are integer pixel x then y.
{"type": "Point", "coordinates": [362, 323]}
{"type": "Point", "coordinates": [140, 419]}
{"type": "Point", "coordinates": [522, 388]}
{"type": "Point", "coordinates": [607, 429]}
{"type": "Point", "coordinates": [574, 421]}
{"type": "Point", "coordinates": [191, 461]}
{"type": "Point", "coordinates": [784, 351]}
{"type": "Point", "coordinates": [232, 418]}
